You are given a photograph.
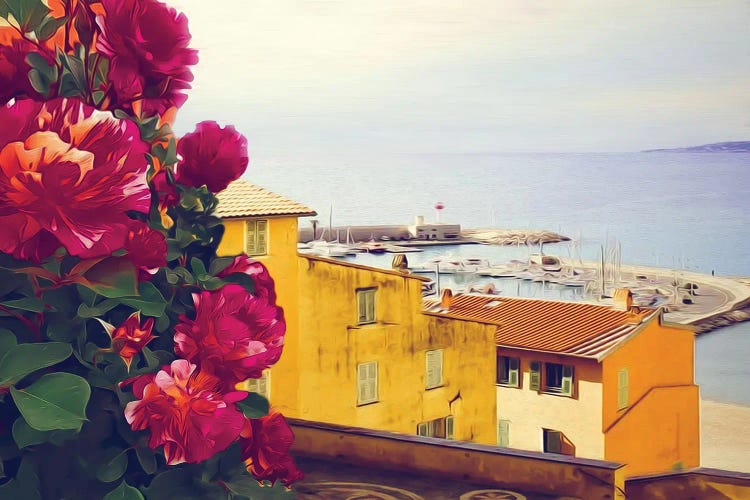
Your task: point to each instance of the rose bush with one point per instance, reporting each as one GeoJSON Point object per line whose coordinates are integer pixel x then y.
{"type": "Point", "coordinates": [123, 336]}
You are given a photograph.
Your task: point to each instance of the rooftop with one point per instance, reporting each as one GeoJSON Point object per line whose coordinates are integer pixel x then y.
{"type": "Point", "coordinates": [243, 199]}
{"type": "Point", "coordinates": [572, 328]}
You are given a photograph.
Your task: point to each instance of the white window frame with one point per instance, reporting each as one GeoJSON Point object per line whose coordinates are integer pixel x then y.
{"type": "Point", "coordinates": [259, 245]}
{"type": "Point", "coordinates": [433, 369]}
{"type": "Point", "coordinates": [366, 303]}
{"type": "Point", "coordinates": [261, 385]}
{"type": "Point", "coordinates": [367, 383]}
{"type": "Point", "coordinates": [510, 370]}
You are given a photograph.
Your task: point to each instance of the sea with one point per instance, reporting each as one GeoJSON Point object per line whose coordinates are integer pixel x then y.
{"type": "Point", "coordinates": [682, 211]}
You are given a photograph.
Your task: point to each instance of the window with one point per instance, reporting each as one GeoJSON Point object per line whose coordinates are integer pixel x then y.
{"type": "Point", "coordinates": [552, 441]}
{"type": "Point", "coordinates": [439, 428]}
{"type": "Point", "coordinates": [261, 385]}
{"type": "Point", "coordinates": [503, 433]}
{"type": "Point", "coordinates": [507, 371]}
{"type": "Point", "coordinates": [367, 382]}
{"type": "Point", "coordinates": [622, 389]}
{"type": "Point", "coordinates": [434, 368]}
{"type": "Point", "coordinates": [366, 306]}
{"type": "Point", "coordinates": [558, 379]}
{"type": "Point", "coordinates": [256, 232]}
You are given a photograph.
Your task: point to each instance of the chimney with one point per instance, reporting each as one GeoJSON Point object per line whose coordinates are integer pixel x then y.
{"type": "Point", "coordinates": [419, 220]}
{"type": "Point", "coordinates": [447, 299]}
{"type": "Point", "coordinates": [399, 263]}
{"type": "Point", "coordinates": [622, 299]}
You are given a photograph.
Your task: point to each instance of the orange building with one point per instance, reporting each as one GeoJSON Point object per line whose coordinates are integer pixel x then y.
{"type": "Point", "coordinates": [613, 383]}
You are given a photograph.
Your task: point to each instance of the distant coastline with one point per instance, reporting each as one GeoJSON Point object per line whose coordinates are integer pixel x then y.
{"type": "Point", "coordinates": [716, 147]}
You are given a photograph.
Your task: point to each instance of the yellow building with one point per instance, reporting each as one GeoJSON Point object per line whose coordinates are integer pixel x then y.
{"type": "Point", "coordinates": [612, 383]}
{"type": "Point", "coordinates": [359, 349]}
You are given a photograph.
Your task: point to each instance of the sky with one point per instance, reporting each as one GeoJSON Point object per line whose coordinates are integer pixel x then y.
{"type": "Point", "coordinates": [472, 76]}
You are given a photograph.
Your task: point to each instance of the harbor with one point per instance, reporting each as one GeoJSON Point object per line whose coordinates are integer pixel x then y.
{"type": "Point", "coordinates": [703, 301]}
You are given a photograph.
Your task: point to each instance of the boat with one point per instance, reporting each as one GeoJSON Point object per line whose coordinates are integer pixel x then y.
{"type": "Point", "coordinates": [450, 265]}
{"type": "Point", "coordinates": [498, 271]}
{"type": "Point", "coordinates": [548, 263]}
{"type": "Point", "coordinates": [373, 246]}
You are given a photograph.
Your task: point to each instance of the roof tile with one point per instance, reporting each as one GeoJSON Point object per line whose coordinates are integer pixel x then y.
{"type": "Point", "coordinates": [579, 329]}
{"type": "Point", "coordinates": [243, 199]}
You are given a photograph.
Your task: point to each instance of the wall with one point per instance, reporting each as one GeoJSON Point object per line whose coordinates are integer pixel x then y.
{"type": "Point", "coordinates": [578, 417]}
{"type": "Point", "coordinates": [660, 429]}
{"type": "Point", "coordinates": [696, 483]}
{"type": "Point", "coordinates": [281, 261]}
{"type": "Point", "coordinates": [501, 467]}
{"type": "Point", "coordinates": [332, 344]}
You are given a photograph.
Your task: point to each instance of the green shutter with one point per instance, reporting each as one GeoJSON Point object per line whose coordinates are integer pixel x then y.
{"type": "Point", "coordinates": [552, 441]}
{"type": "Point", "coordinates": [370, 305]}
{"type": "Point", "coordinates": [513, 372]}
{"type": "Point", "coordinates": [449, 427]}
{"type": "Point", "coordinates": [503, 433]}
{"type": "Point", "coordinates": [535, 375]}
{"type": "Point", "coordinates": [262, 240]}
{"type": "Point", "coordinates": [422, 430]}
{"type": "Point", "coordinates": [252, 237]}
{"type": "Point", "coordinates": [567, 380]}
{"type": "Point", "coordinates": [622, 389]}
{"type": "Point", "coordinates": [362, 307]}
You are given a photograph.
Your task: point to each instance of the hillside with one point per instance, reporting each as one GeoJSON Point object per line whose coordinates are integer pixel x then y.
{"type": "Point", "coordinates": [717, 147]}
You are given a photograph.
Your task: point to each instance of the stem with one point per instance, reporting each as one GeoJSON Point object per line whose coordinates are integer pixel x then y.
{"type": "Point", "coordinates": [32, 326]}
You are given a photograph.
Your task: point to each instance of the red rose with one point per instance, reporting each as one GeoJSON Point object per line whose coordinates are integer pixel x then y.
{"type": "Point", "coordinates": [211, 156]}
{"type": "Point", "coordinates": [265, 448]}
{"type": "Point", "coordinates": [264, 285]}
{"type": "Point", "coordinates": [184, 411]}
{"type": "Point", "coordinates": [146, 248]}
{"type": "Point", "coordinates": [166, 193]}
{"type": "Point", "coordinates": [68, 176]}
{"type": "Point", "coordinates": [130, 337]}
{"type": "Point", "coordinates": [234, 335]}
{"type": "Point", "coordinates": [146, 42]}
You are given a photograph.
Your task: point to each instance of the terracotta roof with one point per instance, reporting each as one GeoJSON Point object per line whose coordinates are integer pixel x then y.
{"type": "Point", "coordinates": [243, 199]}
{"type": "Point", "coordinates": [573, 328]}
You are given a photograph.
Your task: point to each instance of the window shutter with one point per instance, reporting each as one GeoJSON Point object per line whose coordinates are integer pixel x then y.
{"type": "Point", "coordinates": [552, 441]}
{"type": "Point", "coordinates": [263, 386]}
{"type": "Point", "coordinates": [252, 385]}
{"type": "Point", "coordinates": [422, 429]}
{"type": "Point", "coordinates": [262, 238]}
{"type": "Point", "coordinates": [622, 388]}
{"type": "Point", "coordinates": [500, 370]}
{"type": "Point", "coordinates": [513, 372]}
{"type": "Point", "coordinates": [503, 433]}
{"type": "Point", "coordinates": [373, 381]}
{"type": "Point", "coordinates": [567, 380]}
{"type": "Point", "coordinates": [362, 384]}
{"type": "Point", "coordinates": [252, 237]}
{"type": "Point", "coordinates": [361, 307]}
{"type": "Point", "coordinates": [430, 369]}
{"type": "Point", "coordinates": [370, 305]}
{"type": "Point", "coordinates": [449, 427]}
{"type": "Point", "coordinates": [535, 375]}
{"type": "Point", "coordinates": [434, 368]}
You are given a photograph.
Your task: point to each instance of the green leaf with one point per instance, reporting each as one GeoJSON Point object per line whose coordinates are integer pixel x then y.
{"type": "Point", "coordinates": [198, 268]}
{"type": "Point", "coordinates": [113, 277]}
{"type": "Point", "coordinates": [219, 264]}
{"type": "Point", "coordinates": [124, 492]}
{"type": "Point", "coordinates": [254, 406]}
{"type": "Point", "coordinates": [27, 13]}
{"type": "Point", "coordinates": [74, 66]}
{"type": "Point", "coordinates": [63, 329]}
{"type": "Point", "coordinates": [150, 301]}
{"type": "Point", "coordinates": [99, 309]}
{"type": "Point", "coordinates": [7, 341]}
{"type": "Point", "coordinates": [174, 483]}
{"type": "Point", "coordinates": [24, 435]}
{"type": "Point", "coordinates": [113, 466]}
{"type": "Point", "coordinates": [49, 27]}
{"type": "Point", "coordinates": [55, 401]}
{"type": "Point", "coordinates": [147, 459]}
{"type": "Point", "coordinates": [23, 359]}
{"type": "Point", "coordinates": [31, 304]}
{"type": "Point", "coordinates": [241, 279]}
{"type": "Point", "coordinates": [25, 485]}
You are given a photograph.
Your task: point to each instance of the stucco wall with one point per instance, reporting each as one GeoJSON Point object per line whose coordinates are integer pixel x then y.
{"type": "Point", "coordinates": [660, 428]}
{"type": "Point", "coordinates": [578, 417]}
{"type": "Point", "coordinates": [332, 344]}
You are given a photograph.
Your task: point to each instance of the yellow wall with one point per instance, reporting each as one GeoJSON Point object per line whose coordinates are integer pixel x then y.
{"type": "Point", "coordinates": [578, 417]}
{"type": "Point", "coordinates": [660, 428]}
{"type": "Point", "coordinates": [332, 344]}
{"type": "Point", "coordinates": [281, 261]}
